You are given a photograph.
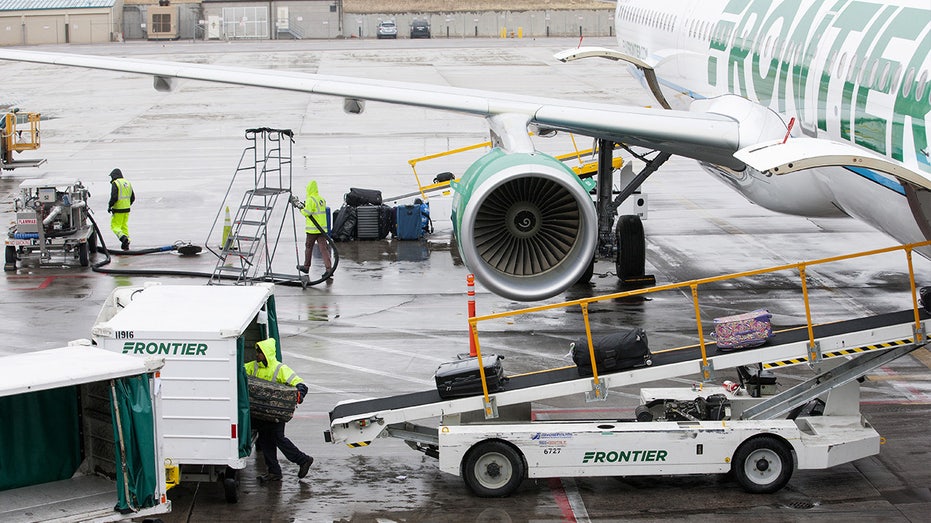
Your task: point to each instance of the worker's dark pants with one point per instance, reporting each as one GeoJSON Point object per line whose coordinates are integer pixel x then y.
{"type": "Point", "coordinates": [272, 438]}
{"type": "Point", "coordinates": [320, 240]}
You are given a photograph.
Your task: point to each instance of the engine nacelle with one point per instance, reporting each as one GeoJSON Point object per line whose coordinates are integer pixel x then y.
{"type": "Point", "coordinates": [526, 226]}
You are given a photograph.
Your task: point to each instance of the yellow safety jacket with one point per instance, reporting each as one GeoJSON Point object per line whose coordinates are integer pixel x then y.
{"type": "Point", "coordinates": [125, 192]}
{"type": "Point", "coordinates": [314, 205]}
{"type": "Point", "coordinates": [274, 371]}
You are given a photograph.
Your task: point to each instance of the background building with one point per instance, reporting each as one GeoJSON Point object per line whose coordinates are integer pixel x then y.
{"type": "Point", "coordinates": [31, 22]}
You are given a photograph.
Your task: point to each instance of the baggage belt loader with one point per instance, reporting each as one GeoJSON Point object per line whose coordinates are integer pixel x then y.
{"type": "Point", "coordinates": [760, 435]}
{"type": "Point", "coordinates": [205, 333]}
{"type": "Point", "coordinates": [814, 425]}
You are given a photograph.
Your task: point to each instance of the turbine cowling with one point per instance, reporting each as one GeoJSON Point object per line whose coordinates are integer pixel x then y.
{"type": "Point", "coordinates": [525, 224]}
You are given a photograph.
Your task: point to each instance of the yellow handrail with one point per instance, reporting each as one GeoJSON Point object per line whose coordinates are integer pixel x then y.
{"type": "Point", "coordinates": [693, 286]}
{"type": "Point", "coordinates": [582, 169]}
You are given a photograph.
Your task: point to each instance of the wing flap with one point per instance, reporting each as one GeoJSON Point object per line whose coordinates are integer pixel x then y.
{"type": "Point", "coordinates": [797, 154]}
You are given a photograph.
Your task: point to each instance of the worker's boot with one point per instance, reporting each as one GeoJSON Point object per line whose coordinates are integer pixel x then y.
{"type": "Point", "coordinates": [305, 467]}
{"type": "Point", "coordinates": [124, 242]}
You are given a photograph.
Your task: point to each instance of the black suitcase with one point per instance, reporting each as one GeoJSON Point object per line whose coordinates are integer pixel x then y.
{"type": "Point", "coordinates": [613, 352]}
{"type": "Point", "coordinates": [356, 197]}
{"type": "Point", "coordinates": [367, 222]}
{"type": "Point", "coordinates": [385, 221]}
{"type": "Point", "coordinates": [462, 378]}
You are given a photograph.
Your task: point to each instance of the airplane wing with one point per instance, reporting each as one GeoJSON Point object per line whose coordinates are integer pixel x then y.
{"type": "Point", "coordinates": [525, 223]}
{"type": "Point", "coordinates": [700, 135]}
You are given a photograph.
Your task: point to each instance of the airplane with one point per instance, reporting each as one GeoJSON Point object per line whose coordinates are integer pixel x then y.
{"type": "Point", "coordinates": [815, 108]}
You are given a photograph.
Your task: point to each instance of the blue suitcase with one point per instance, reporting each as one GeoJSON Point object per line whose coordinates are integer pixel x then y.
{"type": "Point", "coordinates": [409, 222]}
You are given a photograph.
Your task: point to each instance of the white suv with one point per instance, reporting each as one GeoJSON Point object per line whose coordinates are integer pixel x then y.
{"type": "Point", "coordinates": [387, 29]}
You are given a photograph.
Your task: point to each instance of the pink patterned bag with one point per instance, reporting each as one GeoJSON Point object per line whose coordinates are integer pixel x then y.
{"type": "Point", "coordinates": [743, 331]}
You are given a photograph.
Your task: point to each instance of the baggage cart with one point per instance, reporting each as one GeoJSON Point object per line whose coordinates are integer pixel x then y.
{"type": "Point", "coordinates": [206, 334]}
{"type": "Point", "coordinates": [63, 457]}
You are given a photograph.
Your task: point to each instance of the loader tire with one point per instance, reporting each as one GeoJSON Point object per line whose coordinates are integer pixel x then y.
{"type": "Point", "coordinates": [762, 465]}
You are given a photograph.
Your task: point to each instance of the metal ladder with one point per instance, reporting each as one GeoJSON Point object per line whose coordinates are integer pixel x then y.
{"type": "Point", "coordinates": [247, 254]}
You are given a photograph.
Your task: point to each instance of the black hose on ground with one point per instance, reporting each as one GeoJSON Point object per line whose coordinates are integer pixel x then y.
{"type": "Point", "coordinates": [185, 249]}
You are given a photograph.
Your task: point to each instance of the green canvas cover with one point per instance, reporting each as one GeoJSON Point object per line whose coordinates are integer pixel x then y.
{"type": "Point", "coordinates": [40, 438]}
{"type": "Point", "coordinates": [134, 403]}
{"type": "Point", "coordinates": [271, 329]}
{"type": "Point", "coordinates": [242, 404]}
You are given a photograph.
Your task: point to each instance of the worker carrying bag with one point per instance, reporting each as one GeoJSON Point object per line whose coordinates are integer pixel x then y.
{"type": "Point", "coordinates": [462, 378]}
{"type": "Point", "coordinates": [621, 350]}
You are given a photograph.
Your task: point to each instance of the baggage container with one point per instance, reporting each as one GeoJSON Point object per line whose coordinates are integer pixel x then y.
{"type": "Point", "coordinates": [206, 333]}
{"type": "Point", "coordinates": [462, 377]}
{"type": "Point", "coordinates": [743, 331]}
{"type": "Point", "coordinates": [67, 415]}
{"type": "Point", "coordinates": [617, 351]}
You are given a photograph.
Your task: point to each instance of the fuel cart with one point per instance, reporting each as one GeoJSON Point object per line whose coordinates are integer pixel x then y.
{"type": "Point", "coordinates": [203, 332]}
{"type": "Point", "coordinates": [51, 224]}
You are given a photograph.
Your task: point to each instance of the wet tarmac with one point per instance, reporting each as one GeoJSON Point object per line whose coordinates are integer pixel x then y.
{"type": "Point", "coordinates": [396, 310]}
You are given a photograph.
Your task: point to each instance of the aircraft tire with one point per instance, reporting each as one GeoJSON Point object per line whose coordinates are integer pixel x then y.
{"type": "Point", "coordinates": [586, 276]}
{"type": "Point", "coordinates": [631, 247]}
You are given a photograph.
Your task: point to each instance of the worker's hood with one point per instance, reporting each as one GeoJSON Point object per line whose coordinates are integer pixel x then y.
{"type": "Point", "coordinates": [312, 193]}
{"type": "Point", "coordinates": [116, 173]}
{"type": "Point", "coordinates": [268, 349]}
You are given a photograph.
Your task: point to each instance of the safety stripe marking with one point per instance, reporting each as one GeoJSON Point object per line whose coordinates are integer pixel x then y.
{"type": "Point", "coordinates": [841, 352]}
{"type": "Point", "coordinates": [358, 444]}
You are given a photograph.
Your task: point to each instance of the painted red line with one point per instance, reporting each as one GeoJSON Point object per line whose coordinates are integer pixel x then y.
{"type": "Point", "coordinates": [46, 280]}
{"type": "Point", "coordinates": [562, 500]}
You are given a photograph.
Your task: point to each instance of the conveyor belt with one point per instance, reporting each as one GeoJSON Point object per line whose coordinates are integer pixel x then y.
{"type": "Point", "coordinates": [660, 358]}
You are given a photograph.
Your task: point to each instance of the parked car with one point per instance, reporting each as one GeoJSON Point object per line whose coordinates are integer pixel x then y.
{"type": "Point", "coordinates": [387, 29]}
{"type": "Point", "coordinates": [420, 29]}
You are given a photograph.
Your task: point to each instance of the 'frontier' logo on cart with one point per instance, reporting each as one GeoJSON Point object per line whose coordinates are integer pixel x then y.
{"type": "Point", "coordinates": [168, 348]}
{"type": "Point", "coordinates": [624, 456]}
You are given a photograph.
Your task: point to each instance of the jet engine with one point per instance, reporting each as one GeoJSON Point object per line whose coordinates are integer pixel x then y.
{"type": "Point", "coordinates": [525, 224]}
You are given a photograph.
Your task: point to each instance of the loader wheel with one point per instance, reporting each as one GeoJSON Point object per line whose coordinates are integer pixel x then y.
{"type": "Point", "coordinates": [230, 486]}
{"type": "Point", "coordinates": [493, 469]}
{"type": "Point", "coordinates": [92, 245]}
{"type": "Point", "coordinates": [631, 247]}
{"type": "Point", "coordinates": [82, 254]}
{"type": "Point", "coordinates": [762, 465]}
{"type": "Point", "coordinates": [9, 263]}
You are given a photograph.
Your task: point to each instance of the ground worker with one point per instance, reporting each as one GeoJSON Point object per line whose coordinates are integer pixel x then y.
{"type": "Point", "coordinates": [271, 434]}
{"type": "Point", "coordinates": [314, 210]}
{"type": "Point", "coordinates": [121, 199]}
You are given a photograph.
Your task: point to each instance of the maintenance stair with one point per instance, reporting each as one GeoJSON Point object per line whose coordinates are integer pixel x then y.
{"type": "Point", "coordinates": [874, 340]}
{"type": "Point", "coordinates": [248, 251]}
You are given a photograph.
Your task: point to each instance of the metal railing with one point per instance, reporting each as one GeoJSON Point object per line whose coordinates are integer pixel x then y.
{"type": "Point", "coordinates": [693, 286]}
